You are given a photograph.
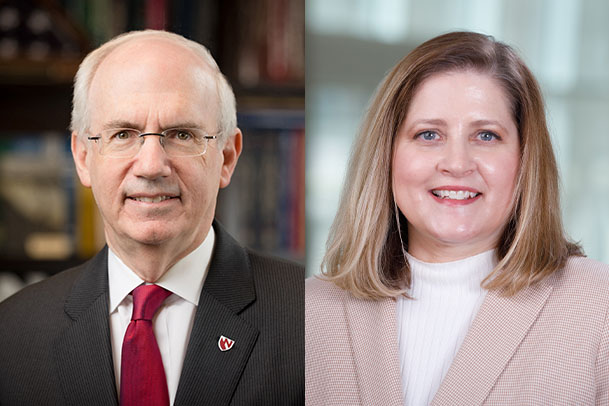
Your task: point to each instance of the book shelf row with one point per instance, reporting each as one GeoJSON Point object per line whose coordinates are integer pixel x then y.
{"type": "Point", "coordinates": [45, 40]}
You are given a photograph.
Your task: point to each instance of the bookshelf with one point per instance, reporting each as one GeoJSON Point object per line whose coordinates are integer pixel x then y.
{"type": "Point", "coordinates": [264, 204]}
{"type": "Point", "coordinates": [48, 222]}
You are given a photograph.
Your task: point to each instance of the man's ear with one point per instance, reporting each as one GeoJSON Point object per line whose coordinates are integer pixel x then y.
{"type": "Point", "coordinates": [79, 153]}
{"type": "Point", "coordinates": [230, 152]}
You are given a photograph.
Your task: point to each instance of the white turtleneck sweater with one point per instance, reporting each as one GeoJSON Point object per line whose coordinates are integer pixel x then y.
{"type": "Point", "coordinates": [432, 326]}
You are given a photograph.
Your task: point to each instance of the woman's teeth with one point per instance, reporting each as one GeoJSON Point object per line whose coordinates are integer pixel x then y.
{"type": "Point", "coordinates": [455, 194]}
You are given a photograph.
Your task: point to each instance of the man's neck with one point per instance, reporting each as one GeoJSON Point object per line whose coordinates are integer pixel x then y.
{"type": "Point", "coordinates": [151, 262]}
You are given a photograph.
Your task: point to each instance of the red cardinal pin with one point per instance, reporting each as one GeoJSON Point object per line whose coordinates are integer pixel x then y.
{"type": "Point", "coordinates": [225, 343]}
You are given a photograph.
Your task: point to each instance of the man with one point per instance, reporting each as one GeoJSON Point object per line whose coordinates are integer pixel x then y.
{"type": "Point", "coordinates": [154, 135]}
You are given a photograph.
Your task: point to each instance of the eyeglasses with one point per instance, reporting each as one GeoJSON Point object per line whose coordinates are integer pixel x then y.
{"type": "Point", "coordinates": [177, 142]}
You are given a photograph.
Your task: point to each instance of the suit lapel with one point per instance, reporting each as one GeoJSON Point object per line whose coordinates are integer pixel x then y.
{"type": "Point", "coordinates": [373, 329]}
{"type": "Point", "coordinates": [496, 332]}
{"type": "Point", "coordinates": [83, 353]}
{"type": "Point", "coordinates": [210, 376]}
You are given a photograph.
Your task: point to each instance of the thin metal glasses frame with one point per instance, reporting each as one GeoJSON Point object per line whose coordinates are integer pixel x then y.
{"type": "Point", "coordinates": [162, 136]}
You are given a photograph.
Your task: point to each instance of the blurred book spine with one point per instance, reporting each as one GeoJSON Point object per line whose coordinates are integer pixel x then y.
{"type": "Point", "coordinates": [46, 215]}
{"type": "Point", "coordinates": [264, 204]}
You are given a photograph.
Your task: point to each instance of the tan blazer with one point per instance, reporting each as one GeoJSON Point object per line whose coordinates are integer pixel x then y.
{"type": "Point", "coordinates": [548, 345]}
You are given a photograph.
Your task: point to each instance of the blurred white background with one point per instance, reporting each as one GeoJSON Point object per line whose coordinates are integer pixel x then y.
{"type": "Point", "coordinates": [351, 44]}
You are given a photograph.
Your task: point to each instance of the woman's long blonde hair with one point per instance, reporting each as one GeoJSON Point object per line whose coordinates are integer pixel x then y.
{"type": "Point", "coordinates": [367, 238]}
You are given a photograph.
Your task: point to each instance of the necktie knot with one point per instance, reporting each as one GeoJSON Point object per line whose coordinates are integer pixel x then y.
{"type": "Point", "coordinates": [146, 301]}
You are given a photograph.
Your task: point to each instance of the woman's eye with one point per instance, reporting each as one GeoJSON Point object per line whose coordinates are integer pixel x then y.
{"type": "Point", "coordinates": [487, 136]}
{"type": "Point", "coordinates": [427, 135]}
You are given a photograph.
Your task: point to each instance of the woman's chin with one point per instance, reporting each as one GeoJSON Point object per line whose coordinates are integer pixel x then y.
{"type": "Point", "coordinates": [463, 237]}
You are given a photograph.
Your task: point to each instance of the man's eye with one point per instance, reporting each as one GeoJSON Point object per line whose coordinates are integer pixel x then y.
{"type": "Point", "coordinates": [122, 135]}
{"type": "Point", "coordinates": [183, 135]}
{"type": "Point", "coordinates": [427, 135]}
{"type": "Point", "coordinates": [180, 135]}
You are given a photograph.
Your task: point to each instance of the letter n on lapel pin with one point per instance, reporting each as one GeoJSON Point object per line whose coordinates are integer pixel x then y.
{"type": "Point", "coordinates": [225, 343]}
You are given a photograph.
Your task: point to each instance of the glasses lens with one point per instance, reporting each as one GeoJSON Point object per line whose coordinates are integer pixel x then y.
{"type": "Point", "coordinates": [184, 142]}
{"type": "Point", "coordinates": [119, 142]}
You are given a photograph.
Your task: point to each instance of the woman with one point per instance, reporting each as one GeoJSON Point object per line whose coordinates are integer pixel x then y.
{"type": "Point", "coordinates": [448, 279]}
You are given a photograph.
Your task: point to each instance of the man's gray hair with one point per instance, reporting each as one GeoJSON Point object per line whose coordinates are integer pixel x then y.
{"type": "Point", "coordinates": [227, 120]}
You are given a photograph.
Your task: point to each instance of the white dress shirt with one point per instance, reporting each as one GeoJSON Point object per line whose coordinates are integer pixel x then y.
{"type": "Point", "coordinates": [432, 325]}
{"type": "Point", "coordinates": [174, 319]}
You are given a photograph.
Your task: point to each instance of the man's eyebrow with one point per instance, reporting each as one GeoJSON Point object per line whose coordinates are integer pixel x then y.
{"type": "Point", "coordinates": [128, 124]}
{"type": "Point", "coordinates": [185, 124]}
{"type": "Point", "coordinates": [119, 124]}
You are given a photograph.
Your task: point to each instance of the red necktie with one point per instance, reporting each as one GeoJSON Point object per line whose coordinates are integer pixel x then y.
{"type": "Point", "coordinates": [143, 379]}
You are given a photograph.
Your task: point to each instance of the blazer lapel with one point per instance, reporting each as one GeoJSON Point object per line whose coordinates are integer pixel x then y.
{"type": "Point", "coordinates": [83, 353]}
{"type": "Point", "coordinates": [373, 329]}
{"type": "Point", "coordinates": [209, 375]}
{"type": "Point", "coordinates": [496, 332]}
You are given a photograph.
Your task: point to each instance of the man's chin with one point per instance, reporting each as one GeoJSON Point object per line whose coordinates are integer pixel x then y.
{"type": "Point", "coordinates": [147, 235]}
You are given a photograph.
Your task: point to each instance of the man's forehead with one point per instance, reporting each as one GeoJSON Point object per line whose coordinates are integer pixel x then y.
{"type": "Point", "coordinates": [157, 78]}
{"type": "Point", "coordinates": [143, 62]}
{"type": "Point", "coordinates": [155, 49]}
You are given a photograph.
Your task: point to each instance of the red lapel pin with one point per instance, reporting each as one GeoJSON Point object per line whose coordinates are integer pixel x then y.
{"type": "Point", "coordinates": [225, 343]}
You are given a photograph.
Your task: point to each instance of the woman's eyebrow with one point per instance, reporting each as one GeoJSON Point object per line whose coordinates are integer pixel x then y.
{"type": "Point", "coordinates": [432, 121]}
{"type": "Point", "coordinates": [488, 122]}
{"type": "Point", "coordinates": [441, 122]}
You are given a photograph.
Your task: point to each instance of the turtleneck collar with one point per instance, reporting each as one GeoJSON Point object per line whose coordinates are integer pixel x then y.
{"type": "Point", "coordinates": [464, 272]}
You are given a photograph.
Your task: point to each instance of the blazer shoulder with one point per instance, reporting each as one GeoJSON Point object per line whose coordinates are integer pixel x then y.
{"type": "Point", "coordinates": [324, 304]}
{"type": "Point", "coordinates": [36, 312]}
{"type": "Point", "coordinates": [278, 268]}
{"type": "Point", "coordinates": [580, 288]}
{"type": "Point", "coordinates": [320, 290]}
{"type": "Point", "coordinates": [587, 266]}
{"type": "Point", "coordinates": [49, 292]}
{"type": "Point", "coordinates": [278, 280]}
{"type": "Point", "coordinates": [583, 276]}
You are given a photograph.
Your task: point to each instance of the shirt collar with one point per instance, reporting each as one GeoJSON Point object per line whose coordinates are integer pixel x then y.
{"type": "Point", "coordinates": [184, 279]}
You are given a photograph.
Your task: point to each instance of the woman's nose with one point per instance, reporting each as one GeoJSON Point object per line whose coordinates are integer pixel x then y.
{"type": "Point", "coordinates": [456, 159]}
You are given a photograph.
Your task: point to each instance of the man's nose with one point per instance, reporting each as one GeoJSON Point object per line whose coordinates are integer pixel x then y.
{"type": "Point", "coordinates": [151, 161]}
{"type": "Point", "coordinates": [457, 158]}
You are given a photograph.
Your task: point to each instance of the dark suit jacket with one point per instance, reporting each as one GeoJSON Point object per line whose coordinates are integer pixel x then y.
{"type": "Point", "coordinates": [55, 339]}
